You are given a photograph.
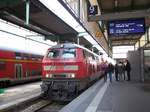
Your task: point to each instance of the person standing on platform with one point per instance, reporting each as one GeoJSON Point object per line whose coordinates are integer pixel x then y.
{"type": "Point", "coordinates": [110, 71]}
{"type": "Point", "coordinates": [116, 71]}
{"type": "Point", "coordinates": [120, 70]}
{"type": "Point", "coordinates": [124, 74]}
{"type": "Point", "coordinates": [104, 69]}
{"type": "Point", "coordinates": [128, 69]}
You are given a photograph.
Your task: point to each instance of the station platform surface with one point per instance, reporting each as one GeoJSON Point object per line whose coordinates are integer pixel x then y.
{"type": "Point", "coordinates": [20, 93]}
{"type": "Point", "coordinates": [121, 96]}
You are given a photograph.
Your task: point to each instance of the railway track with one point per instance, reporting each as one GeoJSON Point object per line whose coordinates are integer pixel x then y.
{"type": "Point", "coordinates": [35, 107]}
{"type": "Point", "coordinates": [37, 104]}
{"type": "Point", "coordinates": [53, 107]}
{"type": "Point", "coordinates": [44, 106]}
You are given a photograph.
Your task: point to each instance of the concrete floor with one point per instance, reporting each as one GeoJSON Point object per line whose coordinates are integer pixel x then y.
{"type": "Point", "coordinates": [16, 94]}
{"type": "Point", "coordinates": [122, 96]}
{"type": "Point", "coordinates": [126, 97]}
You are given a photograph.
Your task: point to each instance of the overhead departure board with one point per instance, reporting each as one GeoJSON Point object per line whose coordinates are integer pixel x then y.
{"type": "Point", "coordinates": [124, 27]}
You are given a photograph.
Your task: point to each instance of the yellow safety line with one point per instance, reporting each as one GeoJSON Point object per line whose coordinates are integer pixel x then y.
{"type": "Point", "coordinates": [19, 60]}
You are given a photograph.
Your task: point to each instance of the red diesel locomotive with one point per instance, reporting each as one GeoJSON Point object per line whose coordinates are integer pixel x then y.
{"type": "Point", "coordinates": [18, 66]}
{"type": "Point", "coordinates": [67, 69]}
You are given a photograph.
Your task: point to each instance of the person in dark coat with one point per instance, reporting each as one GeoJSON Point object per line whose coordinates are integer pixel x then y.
{"type": "Point", "coordinates": [128, 69]}
{"type": "Point", "coordinates": [110, 71]}
{"type": "Point", "coordinates": [116, 72]}
{"type": "Point", "coordinates": [104, 69]}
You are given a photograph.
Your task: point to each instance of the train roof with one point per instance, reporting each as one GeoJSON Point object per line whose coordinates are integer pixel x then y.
{"type": "Point", "coordinates": [19, 50]}
{"type": "Point", "coordinates": [65, 45]}
{"type": "Point", "coordinates": [72, 45]}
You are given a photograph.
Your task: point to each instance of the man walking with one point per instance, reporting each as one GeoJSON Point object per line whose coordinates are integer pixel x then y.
{"type": "Point", "coordinates": [116, 71]}
{"type": "Point", "coordinates": [110, 71]}
{"type": "Point", "coordinates": [128, 69]}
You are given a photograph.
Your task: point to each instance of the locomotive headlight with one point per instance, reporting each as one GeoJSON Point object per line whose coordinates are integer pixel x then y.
{"type": "Point", "coordinates": [72, 75]}
{"type": "Point", "coordinates": [47, 75]}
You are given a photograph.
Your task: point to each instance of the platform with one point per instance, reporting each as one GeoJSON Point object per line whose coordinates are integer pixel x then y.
{"type": "Point", "coordinates": [122, 96]}
{"type": "Point", "coordinates": [18, 94]}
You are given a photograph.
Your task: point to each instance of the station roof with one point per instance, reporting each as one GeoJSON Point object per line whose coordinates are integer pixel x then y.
{"type": "Point", "coordinates": [45, 21]}
{"type": "Point", "coordinates": [119, 10]}
{"type": "Point", "coordinates": [42, 20]}
{"type": "Point", "coordinates": [112, 6]}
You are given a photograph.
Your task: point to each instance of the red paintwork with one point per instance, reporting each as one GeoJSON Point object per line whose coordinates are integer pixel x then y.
{"type": "Point", "coordinates": [9, 58]}
{"type": "Point", "coordinates": [88, 67]}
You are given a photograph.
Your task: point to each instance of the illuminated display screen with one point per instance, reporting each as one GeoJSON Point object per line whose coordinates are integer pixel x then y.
{"type": "Point", "coordinates": [123, 27]}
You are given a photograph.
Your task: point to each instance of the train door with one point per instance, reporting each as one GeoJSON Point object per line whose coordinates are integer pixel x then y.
{"type": "Point", "coordinates": [18, 71]}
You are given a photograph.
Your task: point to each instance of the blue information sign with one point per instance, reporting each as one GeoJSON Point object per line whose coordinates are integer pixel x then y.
{"type": "Point", "coordinates": [123, 27]}
{"type": "Point", "coordinates": [92, 10]}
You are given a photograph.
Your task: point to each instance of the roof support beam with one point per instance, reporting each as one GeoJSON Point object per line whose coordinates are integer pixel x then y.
{"type": "Point", "coordinates": [93, 2]}
{"type": "Point", "coordinates": [99, 4]}
{"type": "Point", "coordinates": [15, 20]}
{"type": "Point", "coordinates": [121, 15]}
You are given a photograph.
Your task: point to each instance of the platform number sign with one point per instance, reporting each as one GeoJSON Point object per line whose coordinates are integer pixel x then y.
{"type": "Point", "coordinates": [93, 10]}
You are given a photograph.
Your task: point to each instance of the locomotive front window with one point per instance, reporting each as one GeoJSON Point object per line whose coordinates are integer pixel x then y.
{"type": "Point", "coordinates": [68, 53]}
{"type": "Point", "coordinates": [53, 54]}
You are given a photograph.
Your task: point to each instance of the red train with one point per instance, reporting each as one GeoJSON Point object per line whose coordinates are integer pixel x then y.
{"type": "Point", "coordinates": [67, 69]}
{"type": "Point", "coordinates": [18, 66]}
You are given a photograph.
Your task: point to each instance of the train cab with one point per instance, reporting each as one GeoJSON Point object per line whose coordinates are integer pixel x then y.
{"type": "Point", "coordinates": [68, 67]}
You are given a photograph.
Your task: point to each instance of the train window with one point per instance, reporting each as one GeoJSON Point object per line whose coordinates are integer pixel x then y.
{"type": "Point", "coordinates": [97, 58]}
{"type": "Point", "coordinates": [87, 55]}
{"type": "Point", "coordinates": [36, 72]}
{"type": "Point", "coordinates": [26, 56]}
{"type": "Point", "coordinates": [18, 55]}
{"type": "Point", "coordinates": [90, 56]}
{"type": "Point", "coordinates": [33, 57]}
{"type": "Point", "coordinates": [84, 54]}
{"type": "Point", "coordinates": [53, 53]}
{"type": "Point", "coordinates": [93, 57]}
{"type": "Point", "coordinates": [68, 53]}
{"type": "Point", "coordinates": [2, 65]}
{"type": "Point", "coordinates": [39, 58]}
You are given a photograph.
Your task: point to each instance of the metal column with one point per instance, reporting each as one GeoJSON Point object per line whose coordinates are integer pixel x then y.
{"type": "Point", "coordinates": [27, 11]}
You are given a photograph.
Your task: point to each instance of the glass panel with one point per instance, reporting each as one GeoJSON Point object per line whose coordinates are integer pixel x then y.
{"type": "Point", "coordinates": [68, 53]}
{"type": "Point", "coordinates": [53, 53]}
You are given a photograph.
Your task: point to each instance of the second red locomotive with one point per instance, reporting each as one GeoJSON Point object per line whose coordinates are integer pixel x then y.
{"type": "Point", "coordinates": [67, 69]}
